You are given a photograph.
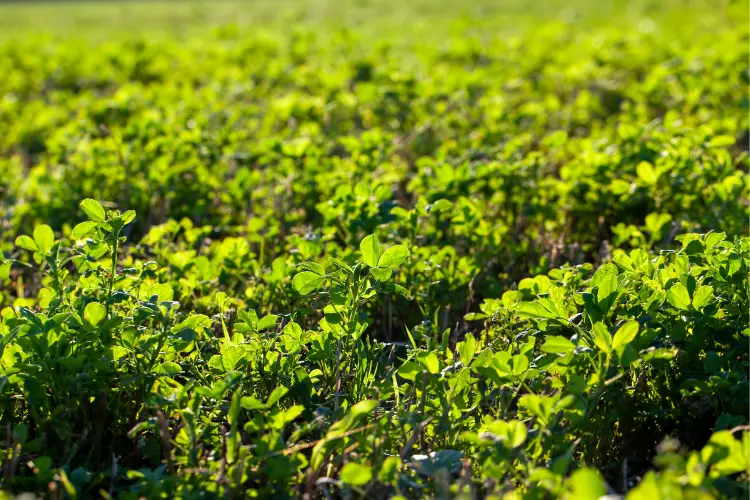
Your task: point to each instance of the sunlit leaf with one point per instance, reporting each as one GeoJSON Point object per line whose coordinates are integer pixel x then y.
{"type": "Point", "coordinates": [306, 282]}
{"type": "Point", "coordinates": [394, 256]}
{"type": "Point", "coordinates": [93, 209]}
{"type": "Point", "coordinates": [94, 313]}
{"type": "Point", "coordinates": [370, 249]}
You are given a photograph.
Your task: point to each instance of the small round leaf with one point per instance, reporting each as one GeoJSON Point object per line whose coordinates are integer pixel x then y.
{"type": "Point", "coordinates": [356, 474]}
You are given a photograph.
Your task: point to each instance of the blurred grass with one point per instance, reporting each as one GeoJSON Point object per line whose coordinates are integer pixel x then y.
{"type": "Point", "coordinates": [396, 18]}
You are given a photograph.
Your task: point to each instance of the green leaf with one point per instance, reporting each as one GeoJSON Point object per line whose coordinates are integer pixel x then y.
{"type": "Point", "coordinates": [475, 316]}
{"type": "Point", "coordinates": [557, 344]}
{"type": "Point", "coordinates": [586, 484]}
{"type": "Point", "coordinates": [714, 239]}
{"type": "Point", "coordinates": [276, 396]}
{"type": "Point", "coordinates": [518, 365]}
{"type": "Point", "coordinates": [702, 296]}
{"type": "Point", "coordinates": [625, 335]}
{"type": "Point", "coordinates": [356, 474]}
{"type": "Point", "coordinates": [647, 173]}
{"type": "Point", "coordinates": [512, 434]}
{"type": "Point", "coordinates": [216, 362]}
{"type": "Point", "coordinates": [127, 217]}
{"type": "Point", "coordinates": [93, 209]}
{"type": "Point", "coordinates": [44, 238]}
{"type": "Point", "coordinates": [5, 270]}
{"type": "Point", "coordinates": [306, 282]}
{"type": "Point", "coordinates": [352, 418]}
{"type": "Point", "coordinates": [623, 261]}
{"type": "Point", "coordinates": [607, 287]}
{"type": "Point", "coordinates": [314, 267]}
{"type": "Point", "coordinates": [466, 349]}
{"type": "Point", "coordinates": [267, 321]}
{"type": "Point", "coordinates": [439, 206]}
{"type": "Point", "coordinates": [431, 362]}
{"type": "Point", "coordinates": [26, 243]}
{"type": "Point", "coordinates": [394, 256]}
{"type": "Point", "coordinates": [94, 313]}
{"type": "Point", "coordinates": [409, 370]}
{"type": "Point", "coordinates": [388, 472]}
{"type": "Point", "coordinates": [362, 408]}
{"type": "Point", "coordinates": [370, 248]}
{"type": "Point", "coordinates": [602, 337]}
{"type": "Point", "coordinates": [651, 487]}
{"type": "Point", "coordinates": [694, 247]}
{"type": "Point", "coordinates": [679, 297]}
{"type": "Point", "coordinates": [381, 273]}
{"type": "Point", "coordinates": [721, 141]}
{"type": "Point", "coordinates": [251, 403]}
{"type": "Point", "coordinates": [231, 356]}
{"type": "Point", "coordinates": [341, 265]}
{"type": "Point", "coordinates": [516, 433]}
{"type": "Point", "coordinates": [725, 454]}
{"type": "Point", "coordinates": [83, 229]}
{"type": "Point", "coordinates": [168, 368]}
{"type": "Point", "coordinates": [534, 310]}
{"type": "Point", "coordinates": [221, 300]}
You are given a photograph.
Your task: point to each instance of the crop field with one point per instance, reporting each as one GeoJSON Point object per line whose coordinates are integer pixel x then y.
{"type": "Point", "coordinates": [370, 249]}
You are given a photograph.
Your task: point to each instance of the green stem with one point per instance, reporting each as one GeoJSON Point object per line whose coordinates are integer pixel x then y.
{"type": "Point", "coordinates": [159, 345]}
{"type": "Point", "coordinates": [113, 270]}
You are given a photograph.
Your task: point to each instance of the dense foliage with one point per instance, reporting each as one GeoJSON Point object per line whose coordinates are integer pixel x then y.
{"type": "Point", "coordinates": [502, 261]}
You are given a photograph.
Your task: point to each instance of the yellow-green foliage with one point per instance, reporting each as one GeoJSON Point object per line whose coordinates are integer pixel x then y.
{"type": "Point", "coordinates": [374, 249]}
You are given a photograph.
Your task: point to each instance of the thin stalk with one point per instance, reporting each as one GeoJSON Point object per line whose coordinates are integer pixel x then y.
{"type": "Point", "coordinates": [338, 375]}
{"type": "Point", "coordinates": [113, 270]}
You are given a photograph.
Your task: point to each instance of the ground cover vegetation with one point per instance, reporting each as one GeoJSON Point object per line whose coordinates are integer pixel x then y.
{"type": "Point", "coordinates": [501, 254]}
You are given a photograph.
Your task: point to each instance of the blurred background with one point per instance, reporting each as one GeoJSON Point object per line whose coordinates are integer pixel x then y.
{"type": "Point", "coordinates": [179, 17]}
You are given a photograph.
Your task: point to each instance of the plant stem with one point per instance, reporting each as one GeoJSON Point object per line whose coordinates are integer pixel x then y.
{"type": "Point", "coordinates": [113, 270]}
{"type": "Point", "coordinates": [338, 375]}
